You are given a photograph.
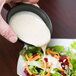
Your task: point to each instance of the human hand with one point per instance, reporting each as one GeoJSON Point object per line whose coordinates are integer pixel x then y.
{"type": "Point", "coordinates": [31, 1]}
{"type": "Point", "coordinates": [5, 30]}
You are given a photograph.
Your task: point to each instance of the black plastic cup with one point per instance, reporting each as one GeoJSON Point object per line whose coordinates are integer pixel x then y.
{"type": "Point", "coordinates": [30, 8]}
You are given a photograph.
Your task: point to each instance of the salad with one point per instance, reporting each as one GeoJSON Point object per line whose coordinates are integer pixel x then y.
{"type": "Point", "coordinates": [58, 61]}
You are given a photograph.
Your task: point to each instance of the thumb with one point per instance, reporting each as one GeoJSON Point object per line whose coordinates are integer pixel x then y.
{"type": "Point", "coordinates": [6, 31]}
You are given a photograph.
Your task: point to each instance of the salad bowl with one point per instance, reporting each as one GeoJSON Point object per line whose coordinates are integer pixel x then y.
{"type": "Point", "coordinates": [66, 48]}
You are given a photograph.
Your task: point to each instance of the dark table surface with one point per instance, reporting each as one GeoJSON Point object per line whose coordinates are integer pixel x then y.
{"type": "Point", "coordinates": [63, 17]}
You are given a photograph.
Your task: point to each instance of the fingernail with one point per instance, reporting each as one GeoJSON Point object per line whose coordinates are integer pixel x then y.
{"type": "Point", "coordinates": [13, 39]}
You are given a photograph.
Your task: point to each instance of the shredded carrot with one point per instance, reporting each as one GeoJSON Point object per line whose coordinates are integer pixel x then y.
{"type": "Point", "coordinates": [44, 66]}
{"type": "Point", "coordinates": [56, 56]}
{"type": "Point", "coordinates": [51, 63]}
{"type": "Point", "coordinates": [27, 57]}
{"type": "Point", "coordinates": [31, 58]}
{"type": "Point", "coordinates": [48, 51]}
{"type": "Point", "coordinates": [52, 49]}
{"type": "Point", "coordinates": [27, 68]}
{"type": "Point", "coordinates": [61, 70]}
{"type": "Point", "coordinates": [35, 58]}
{"type": "Point", "coordinates": [51, 52]}
{"type": "Point", "coordinates": [49, 74]}
{"type": "Point", "coordinates": [47, 66]}
{"type": "Point", "coordinates": [69, 62]}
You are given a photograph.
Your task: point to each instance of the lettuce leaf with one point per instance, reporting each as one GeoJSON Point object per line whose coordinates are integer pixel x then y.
{"type": "Point", "coordinates": [57, 74]}
{"type": "Point", "coordinates": [30, 50]}
{"type": "Point", "coordinates": [73, 45]}
{"type": "Point", "coordinates": [35, 63]}
{"type": "Point", "coordinates": [59, 49]}
{"type": "Point", "coordinates": [73, 60]}
{"type": "Point", "coordinates": [36, 70]}
{"type": "Point", "coordinates": [73, 72]}
{"type": "Point", "coordinates": [33, 70]}
{"type": "Point", "coordinates": [24, 58]}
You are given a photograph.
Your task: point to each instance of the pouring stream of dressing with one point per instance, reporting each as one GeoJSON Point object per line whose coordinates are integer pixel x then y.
{"type": "Point", "coordinates": [31, 29]}
{"type": "Point", "coordinates": [44, 48]}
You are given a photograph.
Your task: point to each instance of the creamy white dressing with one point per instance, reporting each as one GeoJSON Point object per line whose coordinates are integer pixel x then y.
{"type": "Point", "coordinates": [44, 48]}
{"type": "Point", "coordinates": [55, 62]}
{"type": "Point", "coordinates": [30, 28]}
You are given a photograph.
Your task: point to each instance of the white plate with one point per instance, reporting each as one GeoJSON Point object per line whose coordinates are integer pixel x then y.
{"type": "Point", "coordinates": [53, 42]}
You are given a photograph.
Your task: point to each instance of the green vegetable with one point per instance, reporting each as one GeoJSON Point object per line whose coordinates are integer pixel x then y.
{"type": "Point", "coordinates": [55, 69]}
{"type": "Point", "coordinates": [73, 72]}
{"type": "Point", "coordinates": [36, 70]}
{"type": "Point", "coordinates": [33, 69]}
{"type": "Point", "coordinates": [22, 52]}
{"type": "Point", "coordinates": [36, 63]}
{"type": "Point", "coordinates": [41, 72]}
{"type": "Point", "coordinates": [57, 74]}
{"type": "Point", "coordinates": [47, 69]}
{"type": "Point", "coordinates": [32, 49]}
{"type": "Point", "coordinates": [24, 58]}
{"type": "Point", "coordinates": [61, 50]}
{"type": "Point", "coordinates": [40, 53]}
{"type": "Point", "coordinates": [68, 71]}
{"type": "Point", "coordinates": [73, 60]}
{"type": "Point", "coordinates": [73, 55]}
{"type": "Point", "coordinates": [30, 55]}
{"type": "Point", "coordinates": [73, 45]}
{"type": "Point", "coordinates": [57, 48]}
{"type": "Point", "coordinates": [68, 52]}
{"type": "Point", "coordinates": [29, 49]}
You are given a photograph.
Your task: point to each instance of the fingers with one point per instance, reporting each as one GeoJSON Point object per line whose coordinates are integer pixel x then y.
{"type": "Point", "coordinates": [31, 1]}
{"type": "Point", "coordinates": [36, 5]}
{"type": "Point", "coordinates": [26, 1]}
{"type": "Point", "coordinates": [6, 31]}
{"type": "Point", "coordinates": [8, 1]}
{"type": "Point", "coordinates": [1, 4]}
